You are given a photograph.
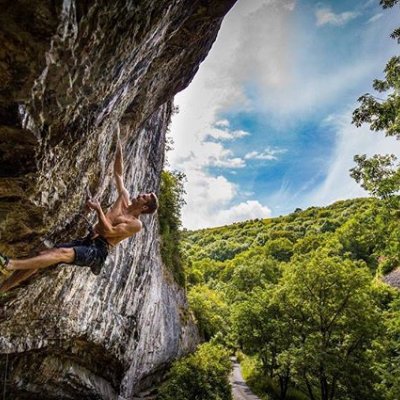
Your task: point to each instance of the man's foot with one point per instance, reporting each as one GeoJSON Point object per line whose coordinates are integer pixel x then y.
{"type": "Point", "coordinates": [3, 265]}
{"type": "Point", "coordinates": [3, 312]}
{"type": "Point", "coordinates": [96, 269]}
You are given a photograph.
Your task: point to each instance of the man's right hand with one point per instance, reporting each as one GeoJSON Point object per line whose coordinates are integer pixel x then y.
{"type": "Point", "coordinates": [93, 204]}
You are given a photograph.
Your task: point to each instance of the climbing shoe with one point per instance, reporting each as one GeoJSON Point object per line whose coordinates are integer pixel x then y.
{"type": "Point", "coordinates": [3, 265]}
{"type": "Point", "coordinates": [96, 268]}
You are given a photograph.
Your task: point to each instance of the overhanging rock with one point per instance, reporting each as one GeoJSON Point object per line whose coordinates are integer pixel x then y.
{"type": "Point", "coordinates": [69, 72]}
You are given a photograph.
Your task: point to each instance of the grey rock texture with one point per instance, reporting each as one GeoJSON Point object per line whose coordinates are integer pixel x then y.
{"type": "Point", "coordinates": [393, 278]}
{"type": "Point", "coordinates": [70, 71]}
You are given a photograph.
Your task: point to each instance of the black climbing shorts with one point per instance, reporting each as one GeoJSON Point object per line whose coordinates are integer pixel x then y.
{"type": "Point", "coordinates": [88, 252]}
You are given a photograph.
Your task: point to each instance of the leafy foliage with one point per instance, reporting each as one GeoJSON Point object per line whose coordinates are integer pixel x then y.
{"type": "Point", "coordinates": [382, 114]}
{"type": "Point", "coordinates": [380, 175]}
{"type": "Point", "coordinates": [279, 249]}
{"type": "Point", "coordinates": [388, 366]}
{"type": "Point", "coordinates": [201, 376]}
{"type": "Point", "coordinates": [210, 310]}
{"type": "Point", "coordinates": [169, 216]}
{"type": "Point", "coordinates": [298, 294]}
{"type": "Point", "coordinates": [388, 3]}
{"type": "Point", "coordinates": [301, 294]}
{"type": "Point", "coordinates": [313, 327]}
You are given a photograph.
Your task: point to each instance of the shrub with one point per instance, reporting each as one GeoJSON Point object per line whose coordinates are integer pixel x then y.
{"type": "Point", "coordinates": [169, 217]}
{"type": "Point", "coordinates": [210, 310]}
{"type": "Point", "coordinates": [203, 375]}
{"type": "Point", "coordinates": [280, 249]}
{"type": "Point", "coordinates": [225, 249]}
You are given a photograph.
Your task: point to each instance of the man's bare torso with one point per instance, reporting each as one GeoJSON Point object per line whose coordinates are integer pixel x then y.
{"type": "Point", "coordinates": [124, 223]}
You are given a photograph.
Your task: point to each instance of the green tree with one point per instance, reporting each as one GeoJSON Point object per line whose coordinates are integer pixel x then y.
{"type": "Point", "coordinates": [309, 243]}
{"type": "Point", "coordinates": [210, 310]}
{"type": "Point", "coordinates": [315, 328]}
{"type": "Point", "coordinates": [200, 376]}
{"type": "Point", "coordinates": [358, 236]}
{"type": "Point", "coordinates": [388, 367]}
{"type": "Point", "coordinates": [387, 4]}
{"type": "Point", "coordinates": [259, 330]}
{"type": "Point", "coordinates": [328, 303]}
{"type": "Point", "coordinates": [281, 249]}
{"type": "Point", "coordinates": [257, 272]}
{"type": "Point", "coordinates": [380, 175]}
{"type": "Point", "coordinates": [169, 217]}
{"type": "Point", "coordinates": [222, 250]}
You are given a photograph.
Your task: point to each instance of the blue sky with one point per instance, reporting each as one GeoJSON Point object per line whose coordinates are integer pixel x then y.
{"type": "Point", "coordinates": [265, 126]}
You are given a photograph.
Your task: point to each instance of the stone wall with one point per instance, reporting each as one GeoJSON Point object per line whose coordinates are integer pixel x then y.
{"type": "Point", "coordinates": [70, 71]}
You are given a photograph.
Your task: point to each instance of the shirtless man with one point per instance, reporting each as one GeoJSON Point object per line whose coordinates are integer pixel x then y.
{"type": "Point", "coordinates": [119, 223]}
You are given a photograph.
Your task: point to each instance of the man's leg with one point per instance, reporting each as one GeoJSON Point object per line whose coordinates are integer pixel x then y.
{"type": "Point", "coordinates": [24, 268]}
{"type": "Point", "coordinates": [44, 251]}
{"type": "Point", "coordinates": [47, 259]}
{"type": "Point", "coordinates": [16, 278]}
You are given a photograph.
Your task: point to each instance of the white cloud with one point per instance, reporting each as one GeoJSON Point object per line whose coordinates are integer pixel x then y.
{"type": "Point", "coordinates": [260, 54]}
{"type": "Point", "coordinates": [306, 95]}
{"type": "Point", "coordinates": [290, 5]}
{"type": "Point", "coordinates": [350, 140]}
{"type": "Point", "coordinates": [369, 3]}
{"type": "Point", "coordinates": [206, 154]}
{"type": "Point", "coordinates": [268, 154]}
{"type": "Point", "coordinates": [325, 16]}
{"type": "Point", "coordinates": [218, 86]}
{"type": "Point", "coordinates": [224, 134]}
{"type": "Point", "coordinates": [208, 203]}
{"type": "Point", "coordinates": [262, 59]}
{"type": "Point", "coordinates": [206, 195]}
{"type": "Point", "coordinates": [375, 18]}
{"type": "Point", "coordinates": [250, 209]}
{"type": "Point", "coordinates": [261, 39]}
{"type": "Point", "coordinates": [208, 191]}
{"type": "Point", "coordinates": [222, 123]}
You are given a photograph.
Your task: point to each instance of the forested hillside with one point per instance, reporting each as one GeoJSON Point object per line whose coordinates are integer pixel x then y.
{"type": "Point", "coordinates": [301, 296]}
{"type": "Point", "coordinates": [358, 229]}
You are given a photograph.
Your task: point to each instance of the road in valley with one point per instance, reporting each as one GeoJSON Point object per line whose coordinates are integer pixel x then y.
{"type": "Point", "coordinates": [240, 390]}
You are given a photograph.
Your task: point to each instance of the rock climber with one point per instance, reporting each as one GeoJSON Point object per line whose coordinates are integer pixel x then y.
{"type": "Point", "coordinates": [120, 222]}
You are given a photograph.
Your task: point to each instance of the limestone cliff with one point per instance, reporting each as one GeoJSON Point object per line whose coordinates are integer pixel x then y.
{"type": "Point", "coordinates": [69, 72]}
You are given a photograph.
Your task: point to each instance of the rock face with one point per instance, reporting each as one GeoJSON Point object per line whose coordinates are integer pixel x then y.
{"type": "Point", "coordinates": [70, 71]}
{"type": "Point", "coordinates": [393, 278]}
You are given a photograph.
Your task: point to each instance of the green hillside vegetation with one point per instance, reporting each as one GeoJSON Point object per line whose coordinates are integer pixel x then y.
{"type": "Point", "coordinates": [201, 376]}
{"type": "Point", "coordinates": [358, 227]}
{"type": "Point", "coordinates": [300, 295]}
{"type": "Point", "coordinates": [299, 298]}
{"type": "Point", "coordinates": [169, 219]}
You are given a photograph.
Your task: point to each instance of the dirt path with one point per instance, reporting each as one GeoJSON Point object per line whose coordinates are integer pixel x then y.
{"type": "Point", "coordinates": [240, 390]}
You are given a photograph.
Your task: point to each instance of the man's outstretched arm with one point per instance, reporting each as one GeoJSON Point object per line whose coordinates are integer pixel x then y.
{"type": "Point", "coordinates": [119, 172]}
